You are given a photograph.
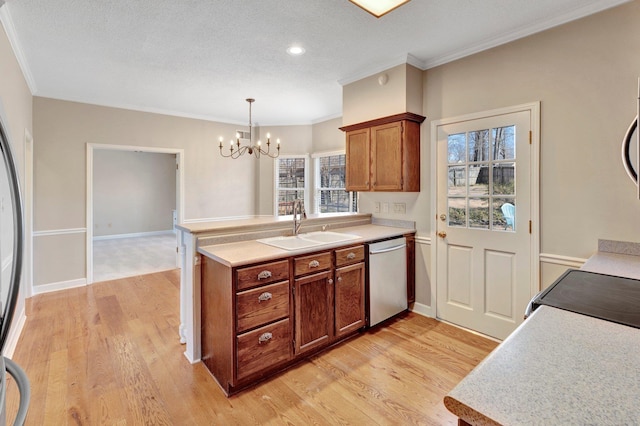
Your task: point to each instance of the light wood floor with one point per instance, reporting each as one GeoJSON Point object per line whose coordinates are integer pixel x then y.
{"type": "Point", "coordinates": [109, 354]}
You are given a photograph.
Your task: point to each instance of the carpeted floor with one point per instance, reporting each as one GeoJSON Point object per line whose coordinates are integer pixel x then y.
{"type": "Point", "coordinates": [126, 257]}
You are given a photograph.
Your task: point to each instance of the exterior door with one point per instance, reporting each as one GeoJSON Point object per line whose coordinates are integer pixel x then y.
{"type": "Point", "coordinates": [483, 218]}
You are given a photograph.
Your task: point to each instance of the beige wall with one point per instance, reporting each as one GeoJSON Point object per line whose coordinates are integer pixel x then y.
{"type": "Point", "coordinates": [133, 192]}
{"type": "Point", "coordinates": [214, 186]}
{"type": "Point", "coordinates": [16, 114]}
{"type": "Point", "coordinates": [585, 74]}
{"type": "Point", "coordinates": [368, 99]}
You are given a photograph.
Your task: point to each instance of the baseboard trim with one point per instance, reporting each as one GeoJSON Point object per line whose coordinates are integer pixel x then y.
{"type": "Point", "coordinates": [133, 235]}
{"type": "Point", "coordinates": [424, 310]}
{"type": "Point", "coordinates": [14, 334]}
{"type": "Point", "coordinates": [62, 285]}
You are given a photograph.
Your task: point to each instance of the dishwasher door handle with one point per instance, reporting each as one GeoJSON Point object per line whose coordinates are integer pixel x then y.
{"type": "Point", "coordinates": [401, 246]}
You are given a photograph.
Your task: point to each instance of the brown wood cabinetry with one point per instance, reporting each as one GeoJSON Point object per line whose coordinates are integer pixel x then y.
{"type": "Point", "coordinates": [329, 305]}
{"type": "Point", "coordinates": [384, 154]}
{"type": "Point", "coordinates": [259, 319]}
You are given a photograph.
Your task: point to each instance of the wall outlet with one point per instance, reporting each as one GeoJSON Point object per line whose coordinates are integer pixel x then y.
{"type": "Point", "coordinates": [376, 207]}
{"type": "Point", "coordinates": [400, 208]}
{"type": "Point", "coordinates": [385, 207]}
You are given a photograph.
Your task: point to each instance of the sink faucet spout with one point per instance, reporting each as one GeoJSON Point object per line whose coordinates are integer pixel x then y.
{"type": "Point", "coordinates": [298, 209]}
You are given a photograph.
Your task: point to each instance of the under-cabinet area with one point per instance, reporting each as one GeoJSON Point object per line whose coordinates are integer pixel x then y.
{"type": "Point", "coordinates": [257, 319]}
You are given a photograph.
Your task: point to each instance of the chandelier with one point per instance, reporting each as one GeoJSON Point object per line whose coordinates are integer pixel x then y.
{"type": "Point", "coordinates": [237, 150]}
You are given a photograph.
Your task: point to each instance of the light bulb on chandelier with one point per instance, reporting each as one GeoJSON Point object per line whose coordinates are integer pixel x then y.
{"type": "Point", "coordinates": [257, 150]}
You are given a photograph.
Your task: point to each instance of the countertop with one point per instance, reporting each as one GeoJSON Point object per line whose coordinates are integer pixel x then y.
{"type": "Point", "coordinates": [557, 368]}
{"type": "Point", "coordinates": [246, 252]}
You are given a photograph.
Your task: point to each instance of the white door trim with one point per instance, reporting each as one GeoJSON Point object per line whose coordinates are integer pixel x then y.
{"type": "Point", "coordinates": [534, 109]}
{"type": "Point", "coordinates": [91, 147]}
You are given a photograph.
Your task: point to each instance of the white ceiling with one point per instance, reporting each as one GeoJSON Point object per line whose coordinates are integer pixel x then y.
{"type": "Point", "coordinates": [202, 58]}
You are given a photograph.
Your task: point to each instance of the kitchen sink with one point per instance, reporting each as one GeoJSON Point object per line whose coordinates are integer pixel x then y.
{"type": "Point", "coordinates": [311, 239]}
{"type": "Point", "coordinates": [329, 237]}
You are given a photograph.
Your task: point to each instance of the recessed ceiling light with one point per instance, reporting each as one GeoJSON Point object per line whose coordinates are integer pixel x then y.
{"type": "Point", "coordinates": [295, 50]}
{"type": "Point", "coordinates": [379, 7]}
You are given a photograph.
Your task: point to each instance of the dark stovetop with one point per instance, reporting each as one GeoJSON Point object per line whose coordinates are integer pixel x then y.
{"type": "Point", "coordinates": [602, 296]}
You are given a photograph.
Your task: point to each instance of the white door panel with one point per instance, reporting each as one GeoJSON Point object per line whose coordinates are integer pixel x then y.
{"type": "Point", "coordinates": [483, 246]}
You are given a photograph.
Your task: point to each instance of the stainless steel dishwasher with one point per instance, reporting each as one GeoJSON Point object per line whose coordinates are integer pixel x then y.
{"type": "Point", "coordinates": [387, 279]}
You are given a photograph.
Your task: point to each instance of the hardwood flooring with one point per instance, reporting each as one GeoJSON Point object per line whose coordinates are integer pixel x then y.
{"type": "Point", "coordinates": [109, 354]}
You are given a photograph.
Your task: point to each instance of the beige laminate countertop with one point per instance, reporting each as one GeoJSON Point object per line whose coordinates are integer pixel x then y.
{"type": "Point", "coordinates": [246, 252]}
{"type": "Point", "coordinates": [560, 367]}
{"type": "Point", "coordinates": [557, 368]}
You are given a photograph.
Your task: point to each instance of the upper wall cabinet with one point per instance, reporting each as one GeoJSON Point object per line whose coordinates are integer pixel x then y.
{"type": "Point", "coordinates": [384, 154]}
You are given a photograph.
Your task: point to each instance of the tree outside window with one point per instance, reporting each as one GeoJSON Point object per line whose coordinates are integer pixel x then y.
{"type": "Point", "coordinates": [330, 193]}
{"type": "Point", "coordinates": [290, 182]}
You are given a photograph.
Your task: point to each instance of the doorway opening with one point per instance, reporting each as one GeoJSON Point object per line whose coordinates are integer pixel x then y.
{"type": "Point", "coordinates": [134, 201]}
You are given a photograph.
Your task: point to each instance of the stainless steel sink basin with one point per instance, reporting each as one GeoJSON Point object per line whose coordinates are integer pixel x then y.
{"type": "Point", "coordinates": [311, 239]}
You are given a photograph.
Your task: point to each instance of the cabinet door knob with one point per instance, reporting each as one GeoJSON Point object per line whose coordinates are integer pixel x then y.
{"type": "Point", "coordinates": [351, 256]}
{"type": "Point", "coordinates": [314, 264]}
{"type": "Point", "coordinates": [339, 279]}
{"type": "Point", "coordinates": [330, 281]}
{"type": "Point", "coordinates": [264, 275]}
{"type": "Point", "coordinates": [442, 234]}
{"type": "Point", "coordinates": [265, 337]}
{"type": "Point", "coordinates": [264, 297]}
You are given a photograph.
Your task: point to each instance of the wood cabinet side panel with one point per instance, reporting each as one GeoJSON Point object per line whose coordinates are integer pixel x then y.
{"type": "Point", "coordinates": [217, 334]}
{"type": "Point", "coordinates": [411, 268]}
{"type": "Point", "coordinates": [411, 157]}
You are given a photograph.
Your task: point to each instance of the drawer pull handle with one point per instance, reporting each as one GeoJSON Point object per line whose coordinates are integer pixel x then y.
{"type": "Point", "coordinates": [351, 256]}
{"type": "Point", "coordinates": [264, 275]}
{"type": "Point", "coordinates": [264, 297]}
{"type": "Point", "coordinates": [314, 264]}
{"type": "Point", "coordinates": [265, 337]}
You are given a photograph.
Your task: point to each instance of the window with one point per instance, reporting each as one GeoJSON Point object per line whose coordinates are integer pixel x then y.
{"type": "Point", "coordinates": [481, 184]}
{"type": "Point", "coordinates": [330, 195]}
{"type": "Point", "coordinates": [291, 179]}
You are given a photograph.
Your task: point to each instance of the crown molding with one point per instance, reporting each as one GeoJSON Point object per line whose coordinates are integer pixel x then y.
{"type": "Point", "coordinates": [535, 27]}
{"type": "Point", "coordinates": [405, 59]}
{"type": "Point", "coordinates": [9, 28]}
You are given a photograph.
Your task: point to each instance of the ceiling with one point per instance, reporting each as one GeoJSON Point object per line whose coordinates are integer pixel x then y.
{"type": "Point", "coordinates": [202, 58]}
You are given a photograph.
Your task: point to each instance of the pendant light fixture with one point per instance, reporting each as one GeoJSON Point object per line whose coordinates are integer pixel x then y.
{"type": "Point", "coordinates": [257, 150]}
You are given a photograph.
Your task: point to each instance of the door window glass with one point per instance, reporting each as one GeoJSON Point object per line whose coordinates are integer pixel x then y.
{"type": "Point", "coordinates": [481, 184]}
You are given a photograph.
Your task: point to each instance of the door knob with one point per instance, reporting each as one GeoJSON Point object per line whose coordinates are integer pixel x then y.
{"type": "Point", "coordinates": [443, 217]}
{"type": "Point", "coordinates": [442, 234]}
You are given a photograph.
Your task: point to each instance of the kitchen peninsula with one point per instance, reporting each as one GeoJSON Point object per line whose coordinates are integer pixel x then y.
{"type": "Point", "coordinates": [232, 243]}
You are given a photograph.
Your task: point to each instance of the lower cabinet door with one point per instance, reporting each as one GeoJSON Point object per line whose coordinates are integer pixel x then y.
{"type": "Point", "coordinates": [314, 311]}
{"type": "Point", "coordinates": [262, 348]}
{"type": "Point", "coordinates": [349, 299]}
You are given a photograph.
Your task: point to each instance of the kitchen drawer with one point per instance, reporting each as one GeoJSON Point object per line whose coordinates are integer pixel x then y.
{"type": "Point", "coordinates": [265, 273]}
{"type": "Point", "coordinates": [261, 305]}
{"type": "Point", "coordinates": [349, 255]}
{"type": "Point", "coordinates": [313, 263]}
{"type": "Point", "coordinates": [259, 349]}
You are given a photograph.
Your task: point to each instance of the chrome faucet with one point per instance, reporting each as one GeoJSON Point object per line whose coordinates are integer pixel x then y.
{"type": "Point", "coordinates": [298, 208]}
